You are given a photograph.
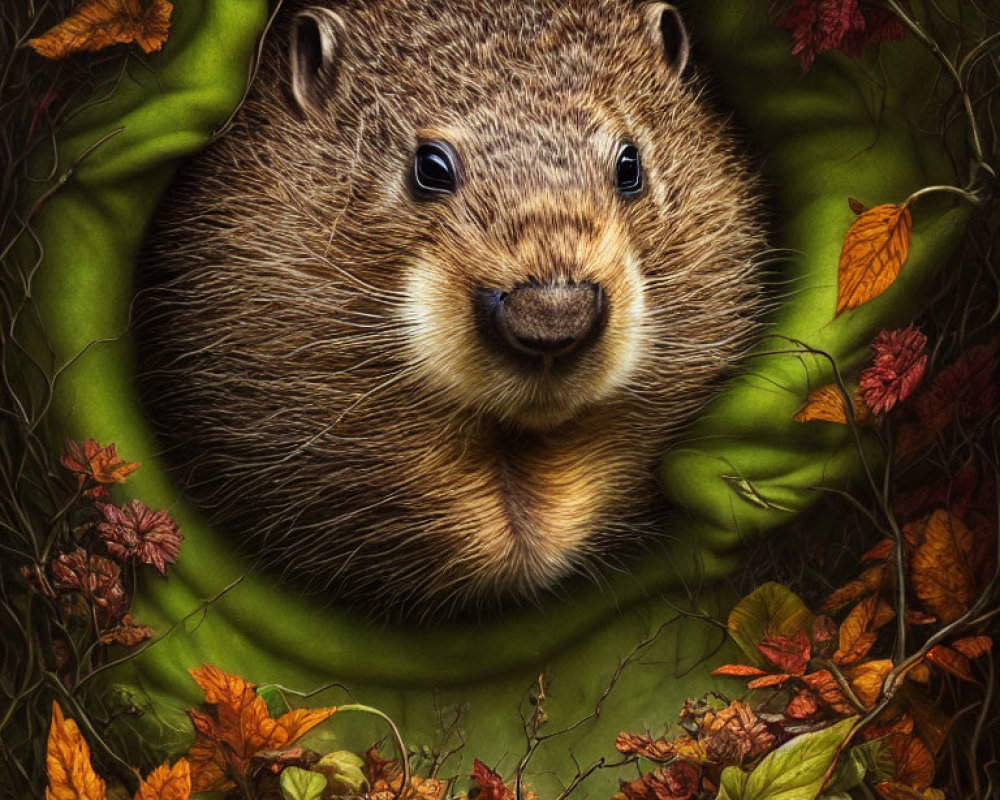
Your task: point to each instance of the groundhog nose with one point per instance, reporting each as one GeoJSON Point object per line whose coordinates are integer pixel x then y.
{"type": "Point", "coordinates": [540, 319]}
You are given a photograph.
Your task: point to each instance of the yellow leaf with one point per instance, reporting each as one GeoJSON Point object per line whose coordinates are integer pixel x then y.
{"type": "Point", "coordinates": [166, 783]}
{"type": "Point", "coordinates": [866, 680]}
{"type": "Point", "coordinates": [875, 249]}
{"type": "Point", "coordinates": [96, 24]}
{"type": "Point", "coordinates": [67, 763]}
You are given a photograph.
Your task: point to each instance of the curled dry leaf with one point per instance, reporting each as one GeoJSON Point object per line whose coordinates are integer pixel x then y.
{"type": "Point", "coordinates": [67, 762]}
{"type": "Point", "coordinates": [875, 249]}
{"type": "Point", "coordinates": [137, 532]}
{"type": "Point", "coordinates": [97, 24]}
{"type": "Point", "coordinates": [827, 404]}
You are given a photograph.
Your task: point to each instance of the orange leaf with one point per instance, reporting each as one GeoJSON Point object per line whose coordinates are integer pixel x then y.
{"type": "Point", "coordinates": [973, 646]}
{"type": "Point", "coordinates": [914, 762]}
{"type": "Point", "coordinates": [875, 249]}
{"type": "Point", "coordinates": [827, 404]}
{"type": "Point", "coordinates": [166, 783]}
{"type": "Point", "coordinates": [67, 762]}
{"type": "Point", "coordinates": [803, 705]}
{"type": "Point", "coordinates": [872, 579]}
{"type": "Point", "coordinates": [768, 681]}
{"type": "Point", "coordinates": [946, 570]}
{"type": "Point", "coordinates": [96, 24]}
{"type": "Point", "coordinates": [866, 680]}
{"type": "Point", "coordinates": [854, 640]}
{"type": "Point", "coordinates": [826, 688]}
{"type": "Point", "coordinates": [738, 671]}
{"type": "Point", "coordinates": [241, 727]}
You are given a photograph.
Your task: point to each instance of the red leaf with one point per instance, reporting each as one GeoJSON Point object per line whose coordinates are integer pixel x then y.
{"type": "Point", "coordinates": [952, 661]}
{"type": "Point", "coordinates": [820, 26]}
{"type": "Point", "coordinates": [828, 691]}
{"type": "Point", "coordinates": [803, 705]}
{"type": "Point", "coordinates": [898, 366]}
{"type": "Point", "coordinates": [788, 655]}
{"type": "Point", "coordinates": [824, 636]}
{"type": "Point", "coordinates": [491, 785]}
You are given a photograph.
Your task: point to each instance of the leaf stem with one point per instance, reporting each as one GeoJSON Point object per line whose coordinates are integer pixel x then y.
{"type": "Point", "coordinates": [404, 759]}
{"type": "Point", "coordinates": [965, 194]}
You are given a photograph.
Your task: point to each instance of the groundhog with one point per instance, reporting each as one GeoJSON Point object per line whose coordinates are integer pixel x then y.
{"type": "Point", "coordinates": [419, 326]}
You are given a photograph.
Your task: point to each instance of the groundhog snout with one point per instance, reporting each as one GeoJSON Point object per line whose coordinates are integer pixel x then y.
{"type": "Point", "coordinates": [546, 320]}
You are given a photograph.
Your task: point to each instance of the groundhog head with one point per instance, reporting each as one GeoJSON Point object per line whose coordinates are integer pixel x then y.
{"type": "Point", "coordinates": [419, 326]}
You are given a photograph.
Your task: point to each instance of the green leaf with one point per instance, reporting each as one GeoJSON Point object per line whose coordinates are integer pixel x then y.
{"type": "Point", "coordinates": [344, 770]}
{"type": "Point", "coordinates": [795, 771]}
{"type": "Point", "coordinates": [301, 784]}
{"type": "Point", "coordinates": [770, 610]}
{"type": "Point", "coordinates": [838, 796]}
{"type": "Point", "coordinates": [874, 757]}
{"type": "Point", "coordinates": [732, 784]}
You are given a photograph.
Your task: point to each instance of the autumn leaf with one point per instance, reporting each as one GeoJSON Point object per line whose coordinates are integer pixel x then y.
{"type": "Point", "coordinates": [67, 762]}
{"type": "Point", "coordinates": [871, 580]}
{"type": "Point", "coordinates": [96, 578]}
{"type": "Point", "coordinates": [898, 366]}
{"type": "Point", "coordinates": [491, 785]}
{"type": "Point", "coordinates": [827, 404]}
{"type": "Point", "coordinates": [137, 532]}
{"type": "Point", "coordinates": [767, 681]}
{"type": "Point", "coordinates": [951, 661]}
{"type": "Point", "coordinates": [875, 249]}
{"type": "Point", "coordinates": [770, 610]}
{"type": "Point", "coordinates": [849, 25]}
{"type": "Point", "coordinates": [824, 636]}
{"type": "Point", "coordinates": [97, 24]}
{"type": "Point", "coordinates": [790, 655]}
{"type": "Point", "coordinates": [973, 646]}
{"type": "Point", "coordinates": [658, 749]}
{"type": "Point", "coordinates": [677, 781]}
{"type": "Point", "coordinates": [735, 735]}
{"type": "Point", "coordinates": [914, 762]}
{"type": "Point", "coordinates": [127, 633]}
{"type": "Point", "coordinates": [966, 389]}
{"type": "Point", "coordinates": [854, 638]}
{"type": "Point", "coordinates": [167, 783]}
{"type": "Point", "coordinates": [802, 706]}
{"type": "Point", "coordinates": [240, 727]}
{"type": "Point", "coordinates": [828, 691]}
{"type": "Point", "coordinates": [866, 680]}
{"type": "Point", "coordinates": [738, 671]}
{"type": "Point", "coordinates": [950, 565]}
{"type": "Point", "coordinates": [95, 466]}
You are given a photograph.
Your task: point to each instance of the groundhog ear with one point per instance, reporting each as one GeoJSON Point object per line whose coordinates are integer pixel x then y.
{"type": "Point", "coordinates": [669, 33]}
{"type": "Point", "coordinates": [316, 36]}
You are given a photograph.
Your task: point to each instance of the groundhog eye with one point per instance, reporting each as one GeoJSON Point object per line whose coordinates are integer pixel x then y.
{"type": "Point", "coordinates": [434, 170]}
{"type": "Point", "coordinates": [628, 171]}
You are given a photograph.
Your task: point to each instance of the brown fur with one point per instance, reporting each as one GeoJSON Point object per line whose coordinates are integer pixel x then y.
{"type": "Point", "coordinates": [306, 326]}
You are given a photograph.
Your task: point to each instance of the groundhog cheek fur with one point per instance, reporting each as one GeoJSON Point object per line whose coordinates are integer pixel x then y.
{"type": "Point", "coordinates": [308, 338]}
